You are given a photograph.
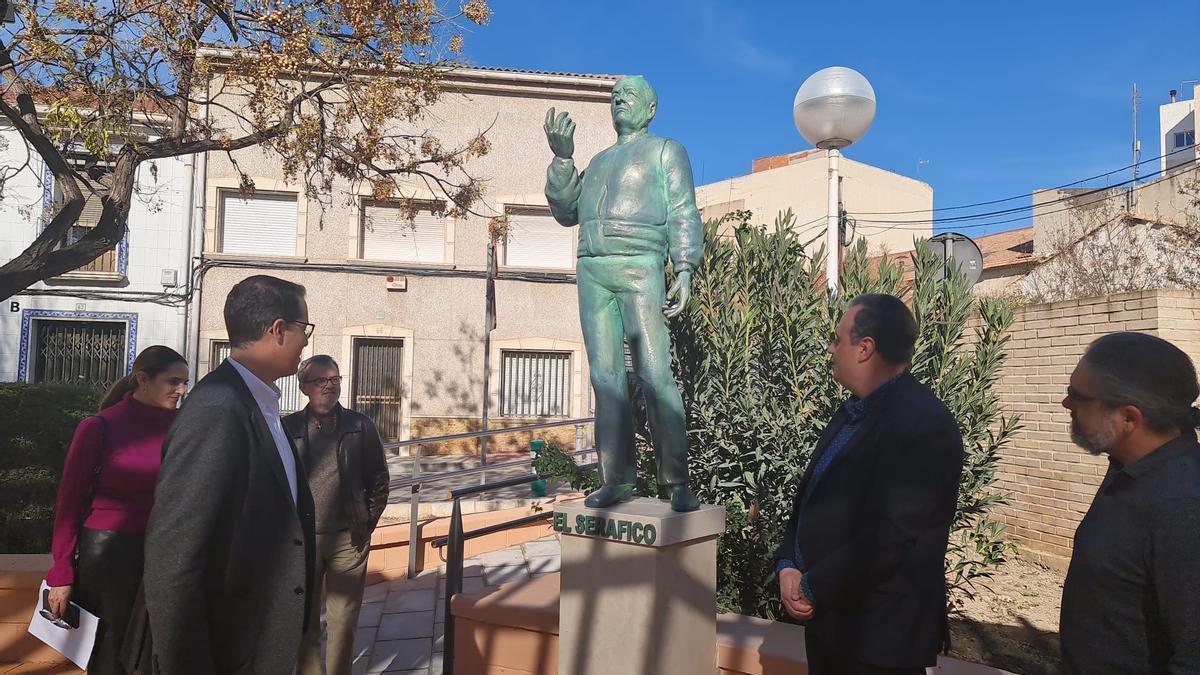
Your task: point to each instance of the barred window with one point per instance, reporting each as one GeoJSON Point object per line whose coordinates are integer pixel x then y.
{"type": "Point", "coordinates": [376, 388]}
{"type": "Point", "coordinates": [535, 384]}
{"type": "Point", "coordinates": [80, 353]}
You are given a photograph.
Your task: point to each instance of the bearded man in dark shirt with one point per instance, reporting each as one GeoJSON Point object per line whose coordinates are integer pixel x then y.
{"type": "Point", "coordinates": [1131, 601]}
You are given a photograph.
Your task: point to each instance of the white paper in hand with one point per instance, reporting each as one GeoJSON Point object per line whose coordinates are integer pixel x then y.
{"type": "Point", "coordinates": [73, 643]}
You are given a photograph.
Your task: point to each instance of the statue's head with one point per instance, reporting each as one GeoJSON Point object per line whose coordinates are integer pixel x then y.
{"type": "Point", "coordinates": [633, 104]}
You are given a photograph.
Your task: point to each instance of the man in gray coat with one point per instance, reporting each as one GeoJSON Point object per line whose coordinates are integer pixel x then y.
{"type": "Point", "coordinates": [230, 543]}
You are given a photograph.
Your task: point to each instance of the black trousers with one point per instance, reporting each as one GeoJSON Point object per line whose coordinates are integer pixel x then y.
{"type": "Point", "coordinates": [823, 661]}
{"type": "Point", "coordinates": [109, 574]}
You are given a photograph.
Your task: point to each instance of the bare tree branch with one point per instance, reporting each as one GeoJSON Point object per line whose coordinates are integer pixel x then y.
{"type": "Point", "coordinates": [335, 91]}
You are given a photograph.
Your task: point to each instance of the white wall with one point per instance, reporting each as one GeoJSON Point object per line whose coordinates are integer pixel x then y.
{"type": "Point", "coordinates": [1174, 118]}
{"type": "Point", "coordinates": [157, 240]}
{"type": "Point", "coordinates": [803, 187]}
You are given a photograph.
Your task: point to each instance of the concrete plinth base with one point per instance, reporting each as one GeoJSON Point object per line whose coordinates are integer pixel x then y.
{"type": "Point", "coordinates": [638, 589]}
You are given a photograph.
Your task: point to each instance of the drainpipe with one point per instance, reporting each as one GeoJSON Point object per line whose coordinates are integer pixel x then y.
{"type": "Point", "coordinates": [196, 252]}
{"type": "Point", "coordinates": [185, 270]}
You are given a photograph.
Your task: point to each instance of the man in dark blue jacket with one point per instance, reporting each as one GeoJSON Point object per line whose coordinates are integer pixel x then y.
{"type": "Point", "coordinates": [862, 557]}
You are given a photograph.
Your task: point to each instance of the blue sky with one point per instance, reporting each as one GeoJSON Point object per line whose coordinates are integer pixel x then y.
{"type": "Point", "coordinates": [981, 100]}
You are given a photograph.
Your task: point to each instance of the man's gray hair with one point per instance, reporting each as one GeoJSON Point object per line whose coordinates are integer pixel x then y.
{"type": "Point", "coordinates": [320, 360]}
{"type": "Point", "coordinates": [1148, 373]}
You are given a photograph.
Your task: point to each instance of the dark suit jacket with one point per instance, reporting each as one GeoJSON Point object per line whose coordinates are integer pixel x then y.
{"type": "Point", "coordinates": [874, 531]}
{"type": "Point", "coordinates": [229, 556]}
{"type": "Point", "coordinates": [362, 467]}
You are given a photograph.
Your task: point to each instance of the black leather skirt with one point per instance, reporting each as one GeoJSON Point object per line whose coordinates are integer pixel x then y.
{"type": "Point", "coordinates": [109, 573]}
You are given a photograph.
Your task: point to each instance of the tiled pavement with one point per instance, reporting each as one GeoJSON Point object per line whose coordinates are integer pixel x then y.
{"type": "Point", "coordinates": [401, 623]}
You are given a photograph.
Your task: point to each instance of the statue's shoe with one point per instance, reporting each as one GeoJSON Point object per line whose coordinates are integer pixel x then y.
{"type": "Point", "coordinates": [608, 495]}
{"type": "Point", "coordinates": [682, 499]}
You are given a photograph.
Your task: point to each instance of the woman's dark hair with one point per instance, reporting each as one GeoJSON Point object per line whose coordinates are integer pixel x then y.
{"type": "Point", "coordinates": [1148, 373]}
{"type": "Point", "coordinates": [152, 361]}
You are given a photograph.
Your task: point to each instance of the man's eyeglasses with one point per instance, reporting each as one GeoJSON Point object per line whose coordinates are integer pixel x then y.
{"type": "Point", "coordinates": [1074, 396]}
{"type": "Point", "coordinates": [308, 327]}
{"type": "Point", "coordinates": [325, 381]}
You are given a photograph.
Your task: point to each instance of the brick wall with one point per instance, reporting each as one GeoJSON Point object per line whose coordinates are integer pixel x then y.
{"type": "Point", "coordinates": [1052, 480]}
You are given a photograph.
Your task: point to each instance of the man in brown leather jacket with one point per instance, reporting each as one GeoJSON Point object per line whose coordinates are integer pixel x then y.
{"type": "Point", "coordinates": [348, 475]}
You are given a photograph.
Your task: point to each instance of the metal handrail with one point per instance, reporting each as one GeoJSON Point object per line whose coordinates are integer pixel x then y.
{"type": "Point", "coordinates": [414, 496]}
{"type": "Point", "coordinates": [442, 542]}
{"type": "Point", "coordinates": [454, 555]}
{"type": "Point", "coordinates": [459, 493]}
{"type": "Point", "coordinates": [418, 479]}
{"type": "Point", "coordinates": [483, 468]}
{"type": "Point", "coordinates": [487, 432]}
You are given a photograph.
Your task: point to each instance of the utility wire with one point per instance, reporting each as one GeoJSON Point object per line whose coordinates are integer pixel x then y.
{"type": "Point", "coordinates": [1025, 195]}
{"type": "Point", "coordinates": [180, 298]}
{"type": "Point", "coordinates": [879, 225]}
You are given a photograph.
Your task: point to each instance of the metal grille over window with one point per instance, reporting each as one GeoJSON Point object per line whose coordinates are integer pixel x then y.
{"type": "Point", "coordinates": [290, 399]}
{"type": "Point", "coordinates": [535, 384]}
{"type": "Point", "coordinates": [264, 224]}
{"type": "Point", "coordinates": [388, 234]}
{"type": "Point", "coordinates": [81, 353]}
{"type": "Point", "coordinates": [535, 239]}
{"type": "Point", "coordinates": [376, 387]}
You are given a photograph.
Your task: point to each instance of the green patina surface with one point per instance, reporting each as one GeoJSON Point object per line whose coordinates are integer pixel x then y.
{"type": "Point", "coordinates": [636, 208]}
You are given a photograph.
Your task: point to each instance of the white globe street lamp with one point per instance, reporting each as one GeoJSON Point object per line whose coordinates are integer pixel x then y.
{"type": "Point", "coordinates": [834, 108]}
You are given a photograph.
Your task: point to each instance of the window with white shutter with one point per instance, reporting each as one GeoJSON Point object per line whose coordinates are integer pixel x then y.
{"type": "Point", "coordinates": [264, 224]}
{"type": "Point", "coordinates": [535, 239]}
{"type": "Point", "coordinates": [389, 234]}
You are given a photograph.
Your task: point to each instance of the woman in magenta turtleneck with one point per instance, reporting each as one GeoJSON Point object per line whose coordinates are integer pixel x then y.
{"type": "Point", "coordinates": [114, 458]}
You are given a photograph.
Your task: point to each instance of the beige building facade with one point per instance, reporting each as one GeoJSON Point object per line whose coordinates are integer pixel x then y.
{"type": "Point", "coordinates": [800, 182]}
{"type": "Point", "coordinates": [401, 305]}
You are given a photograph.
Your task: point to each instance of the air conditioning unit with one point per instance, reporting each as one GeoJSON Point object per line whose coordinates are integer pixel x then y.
{"type": "Point", "coordinates": [395, 283]}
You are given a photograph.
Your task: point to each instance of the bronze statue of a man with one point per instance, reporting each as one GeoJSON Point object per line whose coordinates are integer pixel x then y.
{"type": "Point", "coordinates": [635, 206]}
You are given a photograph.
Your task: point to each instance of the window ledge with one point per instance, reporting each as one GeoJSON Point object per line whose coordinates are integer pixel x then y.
{"type": "Point", "coordinates": [250, 257]}
{"type": "Point", "coordinates": [78, 277]}
{"type": "Point", "coordinates": [551, 270]}
{"type": "Point", "coordinates": [399, 265]}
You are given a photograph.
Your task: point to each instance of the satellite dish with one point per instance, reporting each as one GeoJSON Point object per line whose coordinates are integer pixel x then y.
{"type": "Point", "coordinates": [958, 249]}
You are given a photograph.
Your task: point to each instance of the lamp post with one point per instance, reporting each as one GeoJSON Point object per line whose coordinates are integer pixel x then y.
{"type": "Point", "coordinates": [834, 108]}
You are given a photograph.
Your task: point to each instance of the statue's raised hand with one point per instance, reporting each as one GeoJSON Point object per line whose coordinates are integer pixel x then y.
{"type": "Point", "coordinates": [560, 131]}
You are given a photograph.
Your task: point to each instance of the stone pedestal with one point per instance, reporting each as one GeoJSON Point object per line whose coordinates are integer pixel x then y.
{"type": "Point", "coordinates": [638, 589]}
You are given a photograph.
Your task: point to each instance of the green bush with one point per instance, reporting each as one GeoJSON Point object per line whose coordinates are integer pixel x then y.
{"type": "Point", "coordinates": [755, 377]}
{"type": "Point", "coordinates": [36, 425]}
